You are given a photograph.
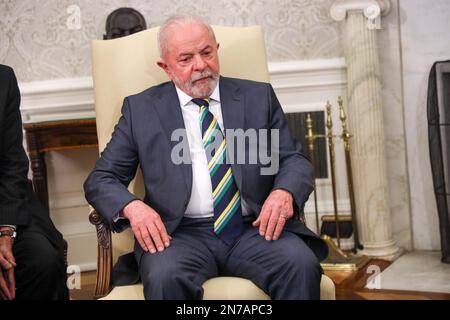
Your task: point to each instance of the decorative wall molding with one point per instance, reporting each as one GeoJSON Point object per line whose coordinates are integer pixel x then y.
{"type": "Point", "coordinates": [315, 75]}
{"type": "Point", "coordinates": [61, 99]}
{"type": "Point", "coordinates": [68, 200]}
{"type": "Point", "coordinates": [64, 99]}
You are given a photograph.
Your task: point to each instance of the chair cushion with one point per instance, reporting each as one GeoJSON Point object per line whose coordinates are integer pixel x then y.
{"type": "Point", "coordinates": [133, 292]}
{"type": "Point", "coordinates": [221, 288]}
{"type": "Point", "coordinates": [232, 288]}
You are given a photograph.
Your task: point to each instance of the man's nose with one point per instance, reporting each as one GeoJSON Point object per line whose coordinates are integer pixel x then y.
{"type": "Point", "coordinates": [199, 63]}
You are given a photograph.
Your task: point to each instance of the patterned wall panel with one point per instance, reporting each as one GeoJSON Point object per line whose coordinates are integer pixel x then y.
{"type": "Point", "coordinates": [51, 39]}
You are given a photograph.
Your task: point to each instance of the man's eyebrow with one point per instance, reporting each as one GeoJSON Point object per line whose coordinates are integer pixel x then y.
{"type": "Point", "coordinates": [191, 53]}
{"type": "Point", "coordinates": [206, 48]}
{"type": "Point", "coordinates": [184, 54]}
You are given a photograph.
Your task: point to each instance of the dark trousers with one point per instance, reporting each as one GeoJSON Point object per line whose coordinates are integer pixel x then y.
{"type": "Point", "coordinates": [283, 269]}
{"type": "Point", "coordinates": [41, 272]}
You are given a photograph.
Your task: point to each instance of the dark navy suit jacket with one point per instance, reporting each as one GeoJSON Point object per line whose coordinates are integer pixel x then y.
{"type": "Point", "coordinates": [19, 205]}
{"type": "Point", "coordinates": [143, 137]}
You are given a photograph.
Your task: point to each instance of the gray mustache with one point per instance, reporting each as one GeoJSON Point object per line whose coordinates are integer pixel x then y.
{"type": "Point", "coordinates": [202, 75]}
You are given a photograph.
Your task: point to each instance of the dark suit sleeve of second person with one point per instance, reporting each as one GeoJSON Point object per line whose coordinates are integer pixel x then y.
{"type": "Point", "coordinates": [295, 170]}
{"type": "Point", "coordinates": [106, 188]}
{"type": "Point", "coordinates": [13, 159]}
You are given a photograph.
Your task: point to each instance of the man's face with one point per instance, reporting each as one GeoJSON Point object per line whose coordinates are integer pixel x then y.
{"type": "Point", "coordinates": [191, 59]}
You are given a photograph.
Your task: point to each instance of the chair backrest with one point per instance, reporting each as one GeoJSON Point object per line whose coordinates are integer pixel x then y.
{"type": "Point", "coordinates": [126, 66]}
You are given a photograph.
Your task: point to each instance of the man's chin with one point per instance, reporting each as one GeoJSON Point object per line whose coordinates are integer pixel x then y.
{"type": "Point", "coordinates": [203, 90]}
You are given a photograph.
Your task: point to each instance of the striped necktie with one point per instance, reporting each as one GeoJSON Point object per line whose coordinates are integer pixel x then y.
{"type": "Point", "coordinates": [228, 223]}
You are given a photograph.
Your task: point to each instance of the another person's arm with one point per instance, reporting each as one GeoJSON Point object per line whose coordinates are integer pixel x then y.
{"type": "Point", "coordinates": [13, 177]}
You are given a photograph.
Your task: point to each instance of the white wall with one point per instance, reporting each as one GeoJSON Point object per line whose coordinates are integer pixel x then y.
{"type": "Point", "coordinates": [50, 39]}
{"type": "Point", "coordinates": [425, 39]}
{"type": "Point", "coordinates": [66, 171]}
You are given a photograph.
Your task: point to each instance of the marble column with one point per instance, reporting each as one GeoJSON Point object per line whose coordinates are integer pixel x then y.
{"type": "Point", "coordinates": [361, 20]}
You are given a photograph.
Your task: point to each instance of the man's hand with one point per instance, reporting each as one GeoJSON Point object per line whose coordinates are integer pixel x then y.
{"type": "Point", "coordinates": [277, 208]}
{"type": "Point", "coordinates": [7, 265]}
{"type": "Point", "coordinates": [147, 226]}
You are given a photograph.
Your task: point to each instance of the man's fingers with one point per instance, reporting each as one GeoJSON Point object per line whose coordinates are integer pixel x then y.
{"type": "Point", "coordinates": [11, 259]}
{"type": "Point", "coordinates": [264, 215]}
{"type": "Point", "coordinates": [257, 221]}
{"type": "Point", "coordinates": [4, 287]}
{"type": "Point", "coordinates": [138, 235]}
{"type": "Point", "coordinates": [5, 264]}
{"type": "Point", "coordinates": [147, 226]}
{"type": "Point", "coordinates": [279, 228]}
{"type": "Point", "coordinates": [12, 283]}
{"type": "Point", "coordinates": [163, 232]}
{"type": "Point", "coordinates": [154, 232]}
{"type": "Point", "coordinates": [273, 220]}
{"type": "Point", "coordinates": [147, 238]}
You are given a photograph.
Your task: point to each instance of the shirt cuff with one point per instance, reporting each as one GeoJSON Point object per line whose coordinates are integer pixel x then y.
{"type": "Point", "coordinates": [9, 226]}
{"type": "Point", "coordinates": [119, 216]}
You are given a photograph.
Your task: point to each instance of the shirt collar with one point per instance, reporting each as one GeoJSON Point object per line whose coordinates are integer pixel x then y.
{"type": "Point", "coordinates": [184, 98]}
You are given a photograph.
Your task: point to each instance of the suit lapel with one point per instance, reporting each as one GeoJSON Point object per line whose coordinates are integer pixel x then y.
{"type": "Point", "coordinates": [233, 112]}
{"type": "Point", "coordinates": [171, 118]}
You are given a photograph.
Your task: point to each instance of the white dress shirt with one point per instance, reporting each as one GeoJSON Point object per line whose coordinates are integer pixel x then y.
{"type": "Point", "coordinates": [201, 202]}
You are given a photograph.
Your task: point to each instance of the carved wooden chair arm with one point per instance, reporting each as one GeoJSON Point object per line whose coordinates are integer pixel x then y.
{"type": "Point", "coordinates": [104, 251]}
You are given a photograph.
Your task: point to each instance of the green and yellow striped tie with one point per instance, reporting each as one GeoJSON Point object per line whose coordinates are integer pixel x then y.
{"type": "Point", "coordinates": [228, 223]}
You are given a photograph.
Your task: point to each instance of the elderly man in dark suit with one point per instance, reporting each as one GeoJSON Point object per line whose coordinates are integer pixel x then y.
{"type": "Point", "coordinates": [31, 249]}
{"type": "Point", "coordinates": [212, 214]}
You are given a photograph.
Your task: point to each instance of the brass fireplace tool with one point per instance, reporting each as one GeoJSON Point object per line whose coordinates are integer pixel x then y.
{"type": "Point", "coordinates": [348, 162]}
{"type": "Point", "coordinates": [337, 259]}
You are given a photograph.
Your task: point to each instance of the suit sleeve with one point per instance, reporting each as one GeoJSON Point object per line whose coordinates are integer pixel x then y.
{"type": "Point", "coordinates": [295, 172]}
{"type": "Point", "coordinates": [106, 187]}
{"type": "Point", "coordinates": [14, 181]}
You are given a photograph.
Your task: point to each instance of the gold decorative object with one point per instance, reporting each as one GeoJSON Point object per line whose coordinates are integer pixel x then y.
{"type": "Point", "coordinates": [332, 167]}
{"type": "Point", "coordinates": [337, 259]}
{"type": "Point", "coordinates": [346, 138]}
{"type": "Point", "coordinates": [310, 138]}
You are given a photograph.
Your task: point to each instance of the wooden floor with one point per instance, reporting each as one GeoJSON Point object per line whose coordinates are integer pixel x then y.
{"type": "Point", "coordinates": [349, 286]}
{"type": "Point", "coordinates": [87, 287]}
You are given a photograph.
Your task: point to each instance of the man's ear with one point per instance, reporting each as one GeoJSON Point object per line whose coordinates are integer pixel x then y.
{"type": "Point", "coordinates": [162, 65]}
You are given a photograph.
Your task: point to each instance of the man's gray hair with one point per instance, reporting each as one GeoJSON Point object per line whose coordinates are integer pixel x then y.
{"type": "Point", "coordinates": [178, 20]}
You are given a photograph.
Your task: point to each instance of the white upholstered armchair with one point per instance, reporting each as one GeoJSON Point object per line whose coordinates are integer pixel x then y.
{"type": "Point", "coordinates": [126, 66]}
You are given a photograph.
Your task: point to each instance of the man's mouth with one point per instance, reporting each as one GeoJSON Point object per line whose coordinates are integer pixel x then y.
{"type": "Point", "coordinates": [201, 80]}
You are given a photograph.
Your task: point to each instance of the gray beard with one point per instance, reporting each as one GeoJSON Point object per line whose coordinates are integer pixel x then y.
{"type": "Point", "coordinates": [193, 91]}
